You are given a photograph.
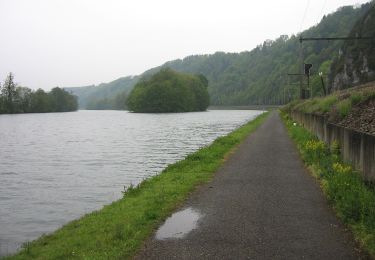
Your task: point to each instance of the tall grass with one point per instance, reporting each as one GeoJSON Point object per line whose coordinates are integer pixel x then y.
{"type": "Point", "coordinates": [352, 199]}
{"type": "Point", "coordinates": [118, 230]}
{"type": "Point", "coordinates": [344, 107]}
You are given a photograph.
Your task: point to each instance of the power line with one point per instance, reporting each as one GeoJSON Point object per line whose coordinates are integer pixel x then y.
{"type": "Point", "coordinates": [321, 11]}
{"type": "Point", "coordinates": [301, 39]}
{"type": "Point", "coordinates": [304, 15]}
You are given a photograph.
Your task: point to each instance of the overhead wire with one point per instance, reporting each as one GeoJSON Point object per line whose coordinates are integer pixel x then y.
{"type": "Point", "coordinates": [304, 14]}
{"type": "Point", "coordinates": [323, 8]}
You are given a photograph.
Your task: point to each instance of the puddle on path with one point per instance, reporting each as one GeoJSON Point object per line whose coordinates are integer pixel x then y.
{"type": "Point", "coordinates": [179, 224]}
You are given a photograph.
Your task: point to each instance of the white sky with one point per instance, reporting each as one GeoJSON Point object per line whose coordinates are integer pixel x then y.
{"type": "Point", "coordinates": [48, 43]}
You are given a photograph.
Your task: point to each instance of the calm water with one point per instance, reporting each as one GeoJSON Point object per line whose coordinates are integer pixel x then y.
{"type": "Point", "coordinates": [56, 167]}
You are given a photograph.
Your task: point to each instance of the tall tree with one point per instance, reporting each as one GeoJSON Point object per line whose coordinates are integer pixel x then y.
{"type": "Point", "coordinates": [2, 109]}
{"type": "Point", "coordinates": [9, 93]}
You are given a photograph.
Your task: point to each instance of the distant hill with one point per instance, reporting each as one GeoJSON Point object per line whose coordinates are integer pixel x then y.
{"type": "Point", "coordinates": [92, 94]}
{"type": "Point", "coordinates": [258, 76]}
{"type": "Point", "coordinates": [356, 65]}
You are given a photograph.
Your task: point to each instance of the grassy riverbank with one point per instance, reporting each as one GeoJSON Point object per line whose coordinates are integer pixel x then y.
{"type": "Point", "coordinates": [118, 230]}
{"type": "Point", "coordinates": [352, 199]}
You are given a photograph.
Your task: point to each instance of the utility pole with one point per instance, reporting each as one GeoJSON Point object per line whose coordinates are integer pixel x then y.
{"type": "Point", "coordinates": [284, 94]}
{"type": "Point", "coordinates": [307, 67]}
{"type": "Point", "coordinates": [323, 85]}
{"type": "Point", "coordinates": [302, 93]}
{"type": "Point", "coordinates": [295, 74]}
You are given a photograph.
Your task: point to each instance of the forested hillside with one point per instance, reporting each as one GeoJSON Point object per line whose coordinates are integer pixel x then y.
{"type": "Point", "coordinates": [260, 76]}
{"type": "Point", "coordinates": [103, 96]}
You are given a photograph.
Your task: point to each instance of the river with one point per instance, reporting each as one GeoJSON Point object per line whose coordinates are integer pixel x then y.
{"type": "Point", "coordinates": [55, 167]}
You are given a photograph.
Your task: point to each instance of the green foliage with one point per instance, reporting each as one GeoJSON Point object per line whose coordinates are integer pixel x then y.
{"type": "Point", "coordinates": [344, 107]}
{"type": "Point", "coordinates": [61, 100]}
{"type": "Point", "coordinates": [341, 102]}
{"type": "Point", "coordinates": [259, 76]}
{"type": "Point", "coordinates": [117, 102]}
{"type": "Point", "coordinates": [351, 197]}
{"type": "Point", "coordinates": [119, 229]}
{"type": "Point", "coordinates": [169, 91]}
{"type": "Point", "coordinates": [104, 96]}
{"type": "Point", "coordinates": [17, 99]}
{"type": "Point", "coordinates": [315, 105]}
{"type": "Point", "coordinates": [9, 95]}
{"type": "Point", "coordinates": [356, 98]}
{"type": "Point", "coordinates": [326, 103]}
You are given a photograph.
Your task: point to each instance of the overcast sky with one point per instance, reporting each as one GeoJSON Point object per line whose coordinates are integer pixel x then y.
{"type": "Point", "coordinates": [48, 43]}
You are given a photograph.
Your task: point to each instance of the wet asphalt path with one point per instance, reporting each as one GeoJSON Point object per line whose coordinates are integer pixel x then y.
{"type": "Point", "coordinates": [262, 204]}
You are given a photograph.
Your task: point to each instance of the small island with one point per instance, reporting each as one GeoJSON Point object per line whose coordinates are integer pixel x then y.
{"type": "Point", "coordinates": [169, 91]}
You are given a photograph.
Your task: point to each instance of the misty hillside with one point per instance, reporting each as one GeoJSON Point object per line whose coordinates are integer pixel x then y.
{"type": "Point", "coordinates": [258, 76]}
{"type": "Point", "coordinates": [91, 95]}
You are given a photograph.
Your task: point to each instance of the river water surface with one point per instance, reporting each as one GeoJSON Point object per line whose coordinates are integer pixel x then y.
{"type": "Point", "coordinates": [56, 167]}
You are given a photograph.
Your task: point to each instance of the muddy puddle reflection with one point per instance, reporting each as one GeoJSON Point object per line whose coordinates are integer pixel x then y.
{"type": "Point", "coordinates": [179, 224]}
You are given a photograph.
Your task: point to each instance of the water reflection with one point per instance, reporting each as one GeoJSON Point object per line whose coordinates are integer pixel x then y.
{"type": "Point", "coordinates": [179, 224]}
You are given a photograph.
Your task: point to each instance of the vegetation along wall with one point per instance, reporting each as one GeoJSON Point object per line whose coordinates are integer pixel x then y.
{"type": "Point", "coordinates": [356, 147]}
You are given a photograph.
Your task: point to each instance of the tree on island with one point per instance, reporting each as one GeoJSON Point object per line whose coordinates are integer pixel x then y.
{"type": "Point", "coordinates": [169, 91]}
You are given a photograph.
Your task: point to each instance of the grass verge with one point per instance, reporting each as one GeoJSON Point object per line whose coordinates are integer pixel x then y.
{"type": "Point", "coordinates": [118, 230]}
{"type": "Point", "coordinates": [352, 199]}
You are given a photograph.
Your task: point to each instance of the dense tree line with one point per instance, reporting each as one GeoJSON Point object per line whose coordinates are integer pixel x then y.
{"type": "Point", "coordinates": [169, 91]}
{"type": "Point", "coordinates": [16, 99]}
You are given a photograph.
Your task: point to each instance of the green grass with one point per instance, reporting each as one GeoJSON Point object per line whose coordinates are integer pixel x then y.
{"type": "Point", "coordinates": [326, 103]}
{"type": "Point", "coordinates": [119, 229]}
{"type": "Point", "coordinates": [317, 105]}
{"type": "Point", "coordinates": [352, 199]}
{"type": "Point", "coordinates": [356, 98]}
{"type": "Point", "coordinates": [344, 107]}
{"type": "Point", "coordinates": [338, 102]}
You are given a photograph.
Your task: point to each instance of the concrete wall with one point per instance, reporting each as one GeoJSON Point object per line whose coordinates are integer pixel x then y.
{"type": "Point", "coordinates": [356, 148]}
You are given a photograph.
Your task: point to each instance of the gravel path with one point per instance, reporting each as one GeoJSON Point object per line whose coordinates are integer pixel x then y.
{"type": "Point", "coordinates": [262, 204]}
